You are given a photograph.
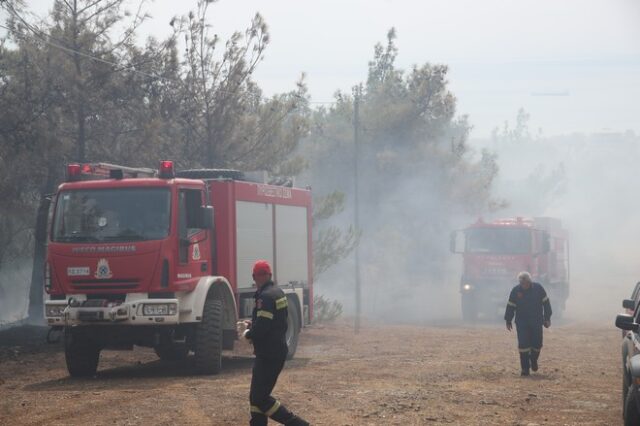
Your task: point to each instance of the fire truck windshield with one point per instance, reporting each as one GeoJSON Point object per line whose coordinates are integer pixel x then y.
{"type": "Point", "coordinates": [108, 215]}
{"type": "Point", "coordinates": [498, 240]}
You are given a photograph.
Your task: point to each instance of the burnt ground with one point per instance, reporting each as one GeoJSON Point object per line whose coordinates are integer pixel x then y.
{"type": "Point", "coordinates": [386, 375]}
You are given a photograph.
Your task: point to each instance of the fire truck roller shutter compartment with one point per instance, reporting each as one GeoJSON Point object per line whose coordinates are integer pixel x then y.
{"type": "Point", "coordinates": [291, 244]}
{"type": "Point", "coordinates": [254, 238]}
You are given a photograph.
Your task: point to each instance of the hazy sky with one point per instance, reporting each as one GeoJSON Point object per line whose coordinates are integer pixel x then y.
{"type": "Point", "coordinates": [501, 53]}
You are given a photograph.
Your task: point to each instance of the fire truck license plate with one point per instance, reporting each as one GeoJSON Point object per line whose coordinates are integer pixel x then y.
{"type": "Point", "coordinates": [90, 316]}
{"type": "Point", "coordinates": [77, 271]}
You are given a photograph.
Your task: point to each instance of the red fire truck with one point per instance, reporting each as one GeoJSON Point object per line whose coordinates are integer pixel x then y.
{"type": "Point", "coordinates": [163, 259]}
{"type": "Point", "coordinates": [494, 253]}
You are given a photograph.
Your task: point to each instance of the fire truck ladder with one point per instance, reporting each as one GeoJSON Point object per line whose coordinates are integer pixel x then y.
{"type": "Point", "coordinates": [107, 170]}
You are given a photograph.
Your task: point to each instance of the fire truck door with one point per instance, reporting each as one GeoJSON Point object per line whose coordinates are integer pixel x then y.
{"type": "Point", "coordinates": [193, 241]}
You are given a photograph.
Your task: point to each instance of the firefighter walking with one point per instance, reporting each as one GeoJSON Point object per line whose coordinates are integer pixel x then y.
{"type": "Point", "coordinates": [530, 304]}
{"type": "Point", "coordinates": [267, 331]}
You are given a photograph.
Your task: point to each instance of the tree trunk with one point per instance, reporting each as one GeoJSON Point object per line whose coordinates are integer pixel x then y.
{"type": "Point", "coordinates": [39, 256]}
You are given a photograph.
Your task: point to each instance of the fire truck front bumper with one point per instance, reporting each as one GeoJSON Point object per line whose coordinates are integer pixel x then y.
{"type": "Point", "coordinates": [138, 312]}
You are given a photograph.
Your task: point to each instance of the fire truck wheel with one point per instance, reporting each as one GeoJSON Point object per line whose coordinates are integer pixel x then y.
{"type": "Point", "coordinates": [208, 339]}
{"type": "Point", "coordinates": [293, 328]}
{"type": "Point", "coordinates": [168, 351]}
{"type": "Point", "coordinates": [81, 354]}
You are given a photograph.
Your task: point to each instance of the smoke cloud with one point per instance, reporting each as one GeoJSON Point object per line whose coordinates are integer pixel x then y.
{"type": "Point", "coordinates": [587, 181]}
{"type": "Point", "coordinates": [14, 292]}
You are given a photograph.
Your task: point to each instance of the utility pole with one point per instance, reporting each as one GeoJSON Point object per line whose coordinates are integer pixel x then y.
{"type": "Point", "coordinates": [357, 91]}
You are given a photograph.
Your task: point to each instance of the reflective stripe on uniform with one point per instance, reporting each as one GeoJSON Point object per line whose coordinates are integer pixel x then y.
{"type": "Point", "coordinates": [281, 303]}
{"type": "Point", "coordinates": [546, 299]}
{"type": "Point", "coordinates": [264, 314]}
{"type": "Point", "coordinates": [523, 350]}
{"type": "Point", "coordinates": [510, 303]}
{"type": "Point", "coordinates": [536, 349]}
{"type": "Point", "coordinates": [273, 409]}
{"type": "Point", "coordinates": [255, 409]}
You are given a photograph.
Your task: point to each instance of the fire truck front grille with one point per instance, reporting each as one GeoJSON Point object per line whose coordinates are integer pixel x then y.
{"type": "Point", "coordinates": [105, 284]}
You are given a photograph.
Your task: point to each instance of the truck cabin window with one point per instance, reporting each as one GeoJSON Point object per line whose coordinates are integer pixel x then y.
{"type": "Point", "coordinates": [498, 240]}
{"type": "Point", "coordinates": [112, 215]}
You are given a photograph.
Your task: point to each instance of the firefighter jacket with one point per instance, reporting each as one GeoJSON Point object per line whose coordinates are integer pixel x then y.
{"type": "Point", "coordinates": [531, 307]}
{"type": "Point", "coordinates": [269, 323]}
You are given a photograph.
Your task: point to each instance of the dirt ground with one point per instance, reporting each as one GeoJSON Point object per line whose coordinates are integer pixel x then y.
{"type": "Point", "coordinates": [386, 375]}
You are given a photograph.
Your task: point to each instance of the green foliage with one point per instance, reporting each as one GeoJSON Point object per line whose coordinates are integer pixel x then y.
{"type": "Point", "coordinates": [325, 310]}
{"type": "Point", "coordinates": [224, 119]}
{"type": "Point", "coordinates": [416, 170]}
{"type": "Point", "coordinates": [331, 244]}
{"type": "Point", "coordinates": [328, 205]}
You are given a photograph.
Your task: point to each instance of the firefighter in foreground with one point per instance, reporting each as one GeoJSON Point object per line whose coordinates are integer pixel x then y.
{"type": "Point", "coordinates": [267, 331]}
{"type": "Point", "coordinates": [530, 304]}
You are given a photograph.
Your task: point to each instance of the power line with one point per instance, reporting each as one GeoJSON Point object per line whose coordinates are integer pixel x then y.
{"type": "Point", "coordinates": [75, 51]}
{"type": "Point", "coordinates": [114, 64]}
{"type": "Point", "coordinates": [43, 37]}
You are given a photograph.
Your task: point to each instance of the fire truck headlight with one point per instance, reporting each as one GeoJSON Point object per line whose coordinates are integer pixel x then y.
{"type": "Point", "coordinates": [55, 310]}
{"type": "Point", "coordinates": [158, 309]}
{"type": "Point", "coordinates": [467, 287]}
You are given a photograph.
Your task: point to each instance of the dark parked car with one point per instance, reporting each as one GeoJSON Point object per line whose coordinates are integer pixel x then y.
{"type": "Point", "coordinates": [630, 364]}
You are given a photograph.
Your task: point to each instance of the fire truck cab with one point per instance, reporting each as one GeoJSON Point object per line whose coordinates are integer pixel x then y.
{"type": "Point", "coordinates": [494, 253]}
{"type": "Point", "coordinates": [163, 259]}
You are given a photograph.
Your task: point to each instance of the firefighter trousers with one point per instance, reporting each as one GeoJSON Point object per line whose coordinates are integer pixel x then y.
{"type": "Point", "coordinates": [529, 344]}
{"type": "Point", "coordinates": [263, 405]}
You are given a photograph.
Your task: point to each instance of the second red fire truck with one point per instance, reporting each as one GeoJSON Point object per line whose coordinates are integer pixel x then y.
{"type": "Point", "coordinates": [495, 252]}
{"type": "Point", "coordinates": [163, 259]}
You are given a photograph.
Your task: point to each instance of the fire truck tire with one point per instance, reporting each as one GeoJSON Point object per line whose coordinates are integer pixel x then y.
{"type": "Point", "coordinates": [81, 354]}
{"type": "Point", "coordinates": [168, 351]}
{"type": "Point", "coordinates": [469, 309]}
{"type": "Point", "coordinates": [293, 327]}
{"type": "Point", "coordinates": [208, 339]}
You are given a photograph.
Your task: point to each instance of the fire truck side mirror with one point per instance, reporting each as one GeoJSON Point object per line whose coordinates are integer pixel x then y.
{"type": "Point", "coordinates": [205, 218]}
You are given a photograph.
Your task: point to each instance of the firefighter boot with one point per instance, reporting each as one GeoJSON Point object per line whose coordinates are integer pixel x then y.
{"type": "Point", "coordinates": [524, 363]}
{"type": "Point", "coordinates": [287, 418]}
{"type": "Point", "coordinates": [296, 421]}
{"type": "Point", "coordinates": [534, 359]}
{"type": "Point", "coordinates": [258, 419]}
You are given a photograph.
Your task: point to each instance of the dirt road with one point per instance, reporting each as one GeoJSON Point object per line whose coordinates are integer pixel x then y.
{"type": "Point", "coordinates": [387, 375]}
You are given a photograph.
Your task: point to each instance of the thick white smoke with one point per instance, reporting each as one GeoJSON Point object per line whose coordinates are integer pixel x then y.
{"type": "Point", "coordinates": [590, 182]}
{"type": "Point", "coordinates": [14, 292]}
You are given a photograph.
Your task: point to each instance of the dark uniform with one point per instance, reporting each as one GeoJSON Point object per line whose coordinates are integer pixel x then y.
{"type": "Point", "coordinates": [531, 308]}
{"type": "Point", "coordinates": [268, 333]}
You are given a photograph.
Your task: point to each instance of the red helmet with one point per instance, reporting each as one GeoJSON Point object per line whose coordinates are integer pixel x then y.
{"type": "Point", "coordinates": [261, 267]}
